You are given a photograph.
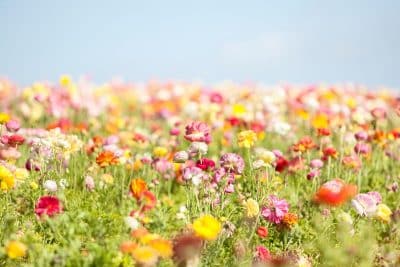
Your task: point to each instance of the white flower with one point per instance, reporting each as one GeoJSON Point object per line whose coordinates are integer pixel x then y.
{"type": "Point", "coordinates": [50, 185]}
{"type": "Point", "coordinates": [259, 164]}
{"type": "Point", "coordinates": [281, 128]}
{"type": "Point", "coordinates": [198, 147]}
{"type": "Point", "coordinates": [132, 223]}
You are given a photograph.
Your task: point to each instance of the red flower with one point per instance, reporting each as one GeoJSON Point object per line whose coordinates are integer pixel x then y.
{"type": "Point", "coordinates": [15, 140]}
{"type": "Point", "coordinates": [335, 192]}
{"type": "Point", "coordinates": [205, 164]}
{"type": "Point", "coordinates": [48, 205]}
{"type": "Point", "coordinates": [262, 231]}
{"type": "Point", "coordinates": [281, 164]}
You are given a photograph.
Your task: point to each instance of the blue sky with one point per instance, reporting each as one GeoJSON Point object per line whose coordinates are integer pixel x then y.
{"type": "Point", "coordinates": [266, 41]}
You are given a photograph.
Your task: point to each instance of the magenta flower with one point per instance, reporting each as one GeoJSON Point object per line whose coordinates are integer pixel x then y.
{"type": "Point", "coordinates": [276, 209]}
{"type": "Point", "coordinates": [198, 132]}
{"type": "Point", "coordinates": [232, 162]}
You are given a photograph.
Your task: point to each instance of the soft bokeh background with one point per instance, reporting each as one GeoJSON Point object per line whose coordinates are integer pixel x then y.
{"type": "Point", "coordinates": [267, 41]}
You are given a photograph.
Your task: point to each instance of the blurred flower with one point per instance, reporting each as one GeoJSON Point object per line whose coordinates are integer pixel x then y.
{"type": "Point", "coordinates": [186, 250]}
{"type": "Point", "coordinates": [89, 183]}
{"type": "Point", "coordinates": [383, 213]}
{"type": "Point", "coordinates": [145, 255]}
{"type": "Point", "coordinates": [262, 231]}
{"type": "Point", "coordinates": [252, 208]}
{"type": "Point", "coordinates": [131, 222]}
{"type": "Point", "coordinates": [13, 126]}
{"type": "Point", "coordinates": [106, 158]}
{"type": "Point", "coordinates": [198, 132]}
{"type": "Point", "coordinates": [232, 162]}
{"type": "Point", "coordinates": [16, 249]}
{"type": "Point", "coordinates": [181, 156]}
{"type": "Point", "coordinates": [48, 205]}
{"type": "Point", "coordinates": [275, 210]}
{"type": "Point", "coordinates": [366, 204]}
{"type": "Point", "coordinates": [7, 180]}
{"type": "Point", "coordinates": [246, 138]}
{"type": "Point", "coordinates": [335, 192]}
{"type": "Point", "coordinates": [137, 187]}
{"type": "Point", "coordinates": [262, 254]}
{"type": "Point", "coordinates": [207, 227]}
{"type": "Point", "coordinates": [50, 185]}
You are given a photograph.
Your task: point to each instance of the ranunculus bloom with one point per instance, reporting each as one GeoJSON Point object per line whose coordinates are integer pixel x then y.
{"type": "Point", "coordinates": [366, 204]}
{"type": "Point", "coordinates": [232, 162]}
{"type": "Point", "coordinates": [263, 254]}
{"type": "Point", "coordinates": [276, 209]}
{"type": "Point", "coordinates": [262, 231]}
{"type": "Point", "coordinates": [48, 205]}
{"type": "Point", "coordinates": [198, 132]}
{"type": "Point", "coordinates": [138, 187]}
{"type": "Point", "coordinates": [207, 227]}
{"type": "Point", "coordinates": [335, 192]}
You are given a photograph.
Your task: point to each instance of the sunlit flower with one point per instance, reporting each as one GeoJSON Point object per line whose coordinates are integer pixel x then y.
{"type": "Point", "coordinates": [207, 227]}
{"type": "Point", "coordinates": [162, 246]}
{"type": "Point", "coordinates": [7, 180]}
{"type": "Point", "coordinates": [366, 204]}
{"type": "Point", "coordinates": [145, 255]}
{"type": "Point", "coordinates": [335, 192]}
{"type": "Point", "coordinates": [383, 213]}
{"type": "Point", "coordinates": [16, 249]}
{"type": "Point", "coordinates": [252, 208]}
{"type": "Point", "coordinates": [275, 210]}
{"type": "Point", "coordinates": [50, 185]}
{"type": "Point", "coordinates": [198, 132]}
{"type": "Point", "coordinates": [106, 158]}
{"type": "Point", "coordinates": [48, 205]}
{"type": "Point", "coordinates": [246, 138]}
{"type": "Point", "coordinates": [137, 187]}
{"type": "Point", "coordinates": [232, 162]}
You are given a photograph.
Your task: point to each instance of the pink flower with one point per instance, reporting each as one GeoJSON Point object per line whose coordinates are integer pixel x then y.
{"type": "Point", "coordinates": [366, 204]}
{"type": "Point", "coordinates": [198, 132]}
{"type": "Point", "coordinates": [232, 162]}
{"type": "Point", "coordinates": [361, 136]}
{"type": "Point", "coordinates": [262, 254]}
{"type": "Point", "coordinates": [316, 164]}
{"type": "Point", "coordinates": [362, 148]}
{"type": "Point", "coordinates": [13, 126]}
{"type": "Point", "coordinates": [276, 209]}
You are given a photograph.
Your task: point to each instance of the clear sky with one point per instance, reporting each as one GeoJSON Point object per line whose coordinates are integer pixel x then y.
{"type": "Point", "coordinates": [210, 40]}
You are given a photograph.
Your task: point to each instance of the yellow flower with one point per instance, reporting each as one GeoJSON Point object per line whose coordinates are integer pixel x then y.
{"type": "Point", "coordinates": [16, 249]}
{"type": "Point", "coordinates": [34, 185]}
{"type": "Point", "coordinates": [247, 138]}
{"type": "Point", "coordinates": [65, 80]}
{"type": "Point", "coordinates": [7, 180]}
{"type": "Point", "coordinates": [252, 208]}
{"type": "Point", "coordinates": [145, 239]}
{"type": "Point", "coordinates": [320, 121]}
{"type": "Point", "coordinates": [145, 255]}
{"type": "Point", "coordinates": [160, 151]}
{"type": "Point", "coordinates": [383, 213]}
{"type": "Point", "coordinates": [162, 246]}
{"type": "Point", "coordinates": [238, 110]}
{"type": "Point", "coordinates": [4, 117]}
{"type": "Point", "coordinates": [207, 227]}
{"type": "Point", "coordinates": [107, 178]}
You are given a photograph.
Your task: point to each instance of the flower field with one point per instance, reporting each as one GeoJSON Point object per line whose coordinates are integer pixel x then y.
{"type": "Point", "coordinates": [182, 174]}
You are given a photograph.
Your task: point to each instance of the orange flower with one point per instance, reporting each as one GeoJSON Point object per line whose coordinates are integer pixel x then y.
{"type": "Point", "coordinates": [335, 192]}
{"type": "Point", "coordinates": [128, 247]}
{"type": "Point", "coordinates": [330, 152]}
{"type": "Point", "coordinates": [290, 219]}
{"type": "Point", "coordinates": [148, 200]}
{"type": "Point", "coordinates": [305, 143]}
{"type": "Point", "coordinates": [106, 158]}
{"type": "Point", "coordinates": [138, 187]}
{"type": "Point", "coordinates": [162, 246]}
